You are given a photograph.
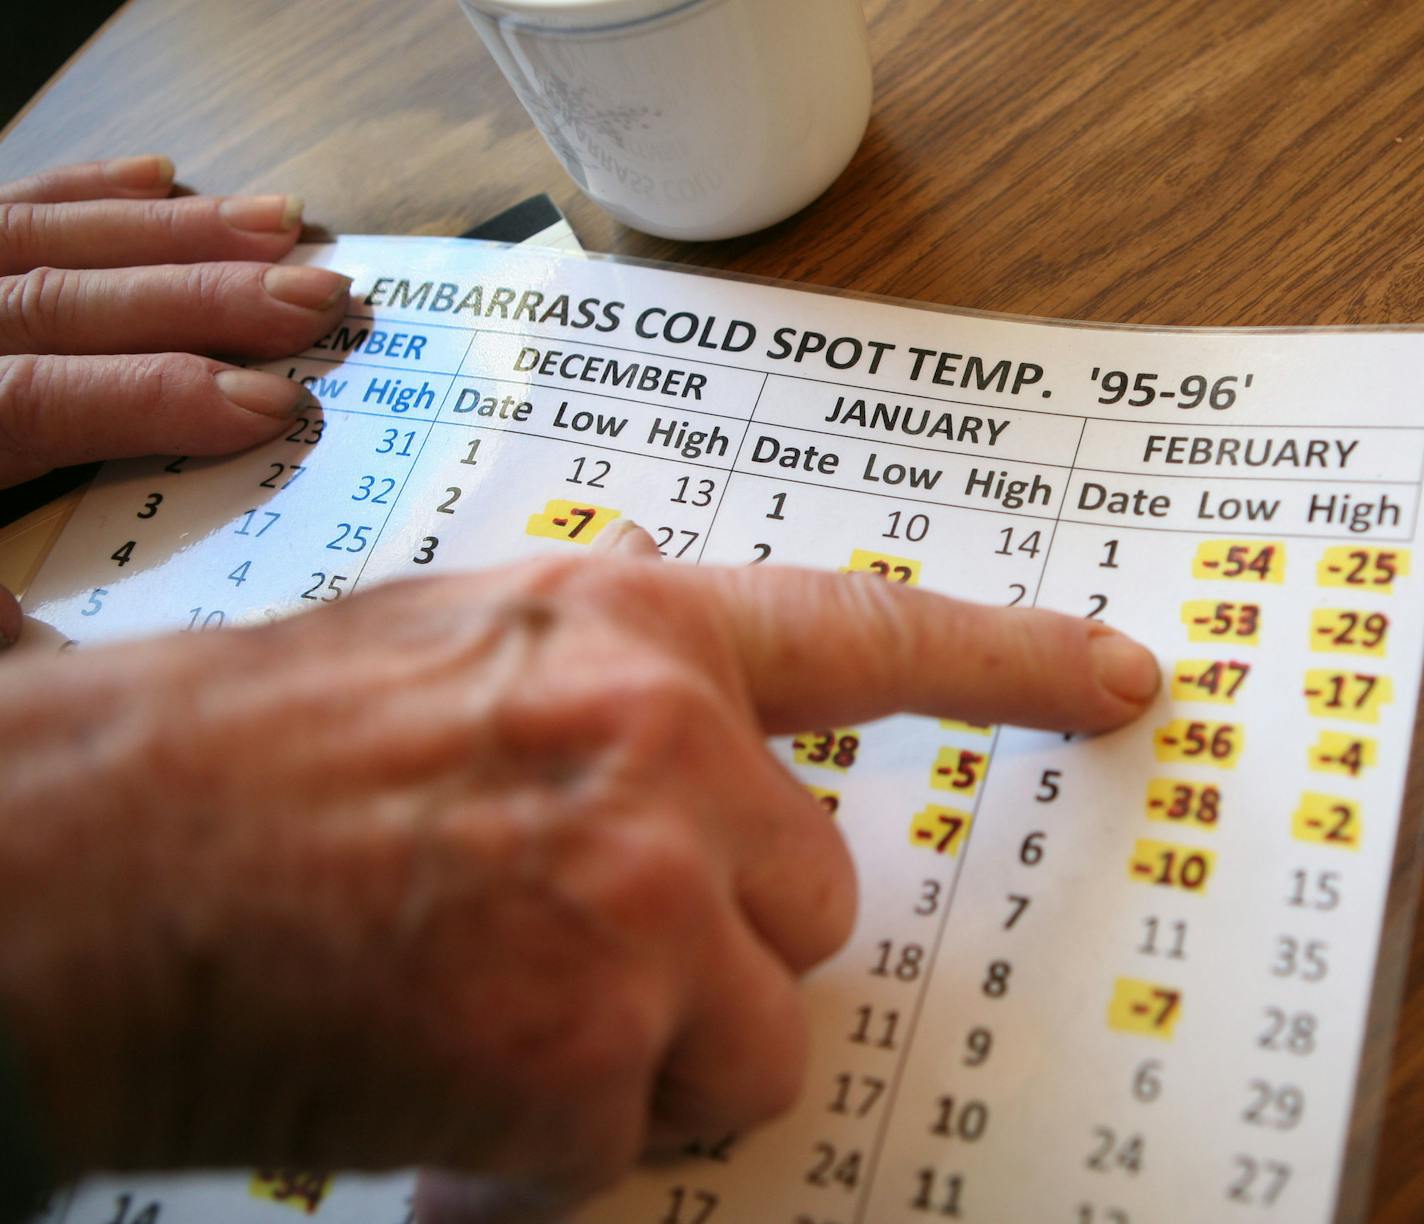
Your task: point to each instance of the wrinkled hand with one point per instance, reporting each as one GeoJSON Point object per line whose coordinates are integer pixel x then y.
{"type": "Point", "coordinates": [108, 289]}
{"type": "Point", "coordinates": [490, 872]}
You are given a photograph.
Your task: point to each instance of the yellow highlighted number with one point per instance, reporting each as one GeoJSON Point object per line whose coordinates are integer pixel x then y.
{"type": "Point", "coordinates": [828, 799]}
{"type": "Point", "coordinates": [1327, 820]}
{"type": "Point", "coordinates": [1144, 1008]}
{"type": "Point", "coordinates": [955, 724]}
{"type": "Point", "coordinates": [958, 770]}
{"type": "Point", "coordinates": [1361, 568]}
{"type": "Point", "coordinates": [562, 519]}
{"type": "Point", "coordinates": [1202, 743]}
{"type": "Point", "coordinates": [1346, 631]}
{"type": "Point", "coordinates": [1352, 696]}
{"type": "Point", "coordinates": [1222, 620]}
{"type": "Point", "coordinates": [1215, 680]}
{"type": "Point", "coordinates": [1184, 867]}
{"type": "Point", "coordinates": [1187, 803]}
{"type": "Point", "coordinates": [1240, 560]}
{"type": "Point", "coordinates": [834, 749]}
{"type": "Point", "coordinates": [892, 569]}
{"type": "Point", "coordinates": [299, 1189]}
{"type": "Point", "coordinates": [1340, 752]}
{"type": "Point", "coordinates": [940, 829]}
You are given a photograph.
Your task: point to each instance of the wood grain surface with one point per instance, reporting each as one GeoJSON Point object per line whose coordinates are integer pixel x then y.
{"type": "Point", "coordinates": [1183, 162]}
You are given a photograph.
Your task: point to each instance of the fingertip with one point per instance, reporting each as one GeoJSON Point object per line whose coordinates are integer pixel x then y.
{"type": "Point", "coordinates": [267, 214]}
{"type": "Point", "coordinates": [266, 395]}
{"type": "Point", "coordinates": [827, 889]}
{"type": "Point", "coordinates": [316, 289]}
{"type": "Point", "coordinates": [625, 537]}
{"type": "Point", "coordinates": [1124, 668]}
{"type": "Point", "coordinates": [148, 173]}
{"type": "Point", "coordinates": [299, 304]}
{"type": "Point", "coordinates": [74, 409]}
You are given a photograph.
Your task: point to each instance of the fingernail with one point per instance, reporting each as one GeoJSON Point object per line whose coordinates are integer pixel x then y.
{"type": "Point", "coordinates": [621, 533]}
{"type": "Point", "coordinates": [1123, 667]}
{"type": "Point", "coordinates": [268, 395]}
{"type": "Point", "coordinates": [139, 173]}
{"type": "Point", "coordinates": [312, 288]}
{"type": "Point", "coordinates": [615, 531]}
{"type": "Point", "coordinates": [266, 214]}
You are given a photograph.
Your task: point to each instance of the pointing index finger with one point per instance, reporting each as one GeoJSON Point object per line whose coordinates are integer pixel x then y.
{"type": "Point", "coordinates": [819, 647]}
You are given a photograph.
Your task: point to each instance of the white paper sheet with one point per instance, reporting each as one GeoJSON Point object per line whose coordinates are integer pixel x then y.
{"type": "Point", "coordinates": [1103, 981]}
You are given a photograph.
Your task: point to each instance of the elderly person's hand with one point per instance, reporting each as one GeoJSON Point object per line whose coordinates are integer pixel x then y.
{"type": "Point", "coordinates": [108, 289]}
{"type": "Point", "coordinates": [491, 872]}
{"type": "Point", "coordinates": [102, 276]}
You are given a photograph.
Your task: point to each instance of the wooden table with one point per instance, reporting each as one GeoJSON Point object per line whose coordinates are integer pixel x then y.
{"type": "Point", "coordinates": [1169, 161]}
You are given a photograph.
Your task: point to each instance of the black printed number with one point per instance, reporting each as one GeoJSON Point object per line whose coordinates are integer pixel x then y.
{"type": "Point", "coordinates": [668, 539]}
{"type": "Point", "coordinates": [281, 475]}
{"type": "Point", "coordinates": [327, 588]}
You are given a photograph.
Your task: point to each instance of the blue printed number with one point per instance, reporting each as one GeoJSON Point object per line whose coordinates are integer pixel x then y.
{"type": "Point", "coordinates": [374, 490]}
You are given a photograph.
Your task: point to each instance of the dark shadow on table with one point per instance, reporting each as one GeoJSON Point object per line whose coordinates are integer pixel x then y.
{"type": "Point", "coordinates": [38, 39]}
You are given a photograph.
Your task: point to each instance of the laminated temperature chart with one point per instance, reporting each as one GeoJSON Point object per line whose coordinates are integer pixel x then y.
{"type": "Point", "coordinates": [1123, 979]}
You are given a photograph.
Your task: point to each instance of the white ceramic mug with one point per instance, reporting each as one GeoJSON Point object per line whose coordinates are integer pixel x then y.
{"type": "Point", "coordinates": [689, 118]}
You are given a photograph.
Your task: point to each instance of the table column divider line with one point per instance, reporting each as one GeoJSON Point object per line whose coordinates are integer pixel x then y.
{"type": "Point", "coordinates": [897, 1077]}
{"type": "Point", "coordinates": [1058, 518]}
{"type": "Point", "coordinates": [732, 470]}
